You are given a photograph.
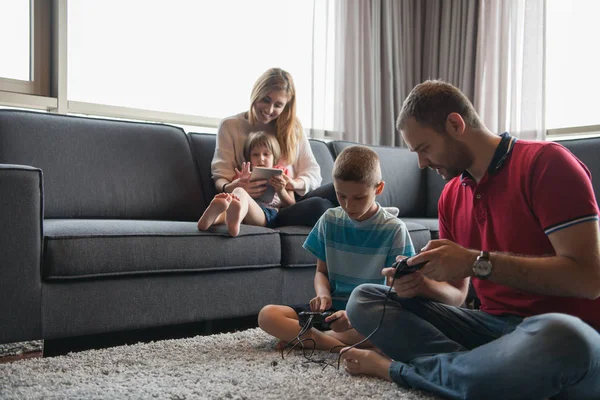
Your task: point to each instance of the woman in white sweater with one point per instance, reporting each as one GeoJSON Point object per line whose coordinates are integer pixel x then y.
{"type": "Point", "coordinates": [273, 110]}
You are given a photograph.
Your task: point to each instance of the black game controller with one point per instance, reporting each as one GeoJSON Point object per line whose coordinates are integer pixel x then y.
{"type": "Point", "coordinates": [402, 268]}
{"type": "Point", "coordinates": [315, 317]}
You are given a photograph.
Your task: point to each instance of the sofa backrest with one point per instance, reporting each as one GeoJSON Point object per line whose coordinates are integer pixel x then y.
{"type": "Point", "coordinates": [324, 158]}
{"type": "Point", "coordinates": [97, 168]}
{"type": "Point", "coordinates": [405, 183]}
{"type": "Point", "coordinates": [203, 148]}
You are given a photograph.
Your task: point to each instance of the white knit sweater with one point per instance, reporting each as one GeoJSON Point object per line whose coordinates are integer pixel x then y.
{"type": "Point", "coordinates": [229, 154]}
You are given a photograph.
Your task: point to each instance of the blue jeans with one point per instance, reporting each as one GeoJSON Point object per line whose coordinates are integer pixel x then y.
{"type": "Point", "coordinates": [468, 354]}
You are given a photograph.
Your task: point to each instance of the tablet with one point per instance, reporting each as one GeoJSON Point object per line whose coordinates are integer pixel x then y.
{"type": "Point", "coordinates": [262, 173]}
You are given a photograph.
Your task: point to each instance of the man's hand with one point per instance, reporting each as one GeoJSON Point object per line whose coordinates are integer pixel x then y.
{"type": "Point", "coordinates": [321, 303]}
{"type": "Point", "coordinates": [339, 321]}
{"type": "Point", "coordinates": [406, 286]}
{"type": "Point", "coordinates": [446, 261]}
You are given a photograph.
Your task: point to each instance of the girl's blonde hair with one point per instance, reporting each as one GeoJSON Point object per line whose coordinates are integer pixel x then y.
{"type": "Point", "coordinates": [262, 139]}
{"type": "Point", "coordinates": [288, 129]}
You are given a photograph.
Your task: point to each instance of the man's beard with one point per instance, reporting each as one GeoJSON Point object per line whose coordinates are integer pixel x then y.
{"type": "Point", "coordinates": [460, 158]}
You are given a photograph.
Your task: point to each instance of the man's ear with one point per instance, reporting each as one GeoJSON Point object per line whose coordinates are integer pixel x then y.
{"type": "Point", "coordinates": [379, 188]}
{"type": "Point", "coordinates": [455, 124]}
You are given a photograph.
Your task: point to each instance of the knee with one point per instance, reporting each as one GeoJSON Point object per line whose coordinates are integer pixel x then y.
{"type": "Point", "coordinates": [266, 316]}
{"type": "Point", "coordinates": [361, 302]}
{"type": "Point", "coordinates": [563, 336]}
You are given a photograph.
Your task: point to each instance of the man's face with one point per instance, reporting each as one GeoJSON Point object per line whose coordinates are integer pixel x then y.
{"type": "Point", "coordinates": [443, 153]}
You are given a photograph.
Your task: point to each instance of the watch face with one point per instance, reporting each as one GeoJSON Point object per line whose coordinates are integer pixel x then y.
{"type": "Point", "coordinates": [482, 268]}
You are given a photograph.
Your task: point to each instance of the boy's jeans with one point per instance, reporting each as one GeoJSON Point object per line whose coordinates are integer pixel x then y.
{"type": "Point", "coordinates": [467, 354]}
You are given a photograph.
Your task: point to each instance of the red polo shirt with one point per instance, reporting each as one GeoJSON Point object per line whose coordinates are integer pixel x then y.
{"type": "Point", "coordinates": [530, 190]}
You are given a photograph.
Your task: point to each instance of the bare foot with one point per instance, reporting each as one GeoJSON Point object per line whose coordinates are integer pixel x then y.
{"type": "Point", "coordinates": [366, 362]}
{"type": "Point", "coordinates": [219, 204]}
{"type": "Point", "coordinates": [234, 216]}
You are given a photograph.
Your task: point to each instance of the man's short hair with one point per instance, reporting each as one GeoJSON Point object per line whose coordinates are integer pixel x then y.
{"type": "Point", "coordinates": [358, 164]}
{"type": "Point", "coordinates": [432, 101]}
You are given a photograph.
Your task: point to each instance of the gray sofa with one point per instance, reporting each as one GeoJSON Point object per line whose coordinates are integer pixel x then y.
{"type": "Point", "coordinates": [99, 228]}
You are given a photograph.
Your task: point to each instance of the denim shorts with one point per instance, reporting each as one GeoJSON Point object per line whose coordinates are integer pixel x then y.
{"type": "Point", "coordinates": [270, 214]}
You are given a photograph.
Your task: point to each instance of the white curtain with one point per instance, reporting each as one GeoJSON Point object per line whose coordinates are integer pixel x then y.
{"type": "Point", "coordinates": [385, 47]}
{"type": "Point", "coordinates": [509, 74]}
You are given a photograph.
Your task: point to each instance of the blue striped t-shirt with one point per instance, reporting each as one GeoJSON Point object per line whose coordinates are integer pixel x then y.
{"type": "Point", "coordinates": [356, 251]}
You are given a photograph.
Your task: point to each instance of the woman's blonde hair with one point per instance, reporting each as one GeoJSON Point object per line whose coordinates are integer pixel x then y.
{"type": "Point", "coordinates": [262, 139]}
{"type": "Point", "coordinates": [288, 129]}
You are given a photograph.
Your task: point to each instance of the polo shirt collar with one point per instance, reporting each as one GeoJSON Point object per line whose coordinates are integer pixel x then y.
{"type": "Point", "coordinates": [507, 143]}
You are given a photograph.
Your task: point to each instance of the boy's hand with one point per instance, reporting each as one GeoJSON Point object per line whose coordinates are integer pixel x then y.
{"type": "Point", "coordinates": [339, 321]}
{"type": "Point", "coordinates": [321, 303]}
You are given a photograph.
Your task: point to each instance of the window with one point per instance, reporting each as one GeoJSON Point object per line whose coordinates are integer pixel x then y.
{"type": "Point", "coordinates": [572, 64]}
{"type": "Point", "coordinates": [14, 24]}
{"type": "Point", "coordinates": [194, 57]}
{"type": "Point", "coordinates": [25, 48]}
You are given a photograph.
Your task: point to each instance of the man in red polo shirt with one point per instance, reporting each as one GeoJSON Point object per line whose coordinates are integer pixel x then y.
{"type": "Point", "coordinates": [520, 219]}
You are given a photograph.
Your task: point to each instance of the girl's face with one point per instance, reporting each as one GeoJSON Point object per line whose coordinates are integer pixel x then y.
{"type": "Point", "coordinates": [268, 108]}
{"type": "Point", "coordinates": [261, 156]}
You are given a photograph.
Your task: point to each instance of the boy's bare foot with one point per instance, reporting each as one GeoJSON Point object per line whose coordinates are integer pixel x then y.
{"type": "Point", "coordinates": [234, 216]}
{"type": "Point", "coordinates": [366, 362]}
{"type": "Point", "coordinates": [218, 205]}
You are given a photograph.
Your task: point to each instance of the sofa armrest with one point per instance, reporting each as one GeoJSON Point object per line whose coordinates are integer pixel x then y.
{"type": "Point", "coordinates": [21, 218]}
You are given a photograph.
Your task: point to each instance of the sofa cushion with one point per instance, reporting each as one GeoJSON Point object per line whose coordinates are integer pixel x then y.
{"type": "Point", "coordinates": [324, 158]}
{"type": "Point", "coordinates": [97, 168]}
{"type": "Point", "coordinates": [292, 252]}
{"type": "Point", "coordinates": [203, 150]}
{"type": "Point", "coordinates": [405, 185]}
{"type": "Point", "coordinates": [94, 248]}
{"type": "Point", "coordinates": [435, 185]}
{"type": "Point", "coordinates": [432, 224]}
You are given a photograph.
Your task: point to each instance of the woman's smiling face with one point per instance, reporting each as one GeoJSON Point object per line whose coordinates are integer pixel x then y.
{"type": "Point", "coordinates": [269, 107]}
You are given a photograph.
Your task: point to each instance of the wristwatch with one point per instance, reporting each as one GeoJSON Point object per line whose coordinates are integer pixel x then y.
{"type": "Point", "coordinates": [482, 267]}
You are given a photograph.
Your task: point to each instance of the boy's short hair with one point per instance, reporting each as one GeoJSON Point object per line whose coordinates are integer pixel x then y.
{"type": "Point", "coordinates": [265, 139]}
{"type": "Point", "coordinates": [431, 102]}
{"type": "Point", "coordinates": [358, 164]}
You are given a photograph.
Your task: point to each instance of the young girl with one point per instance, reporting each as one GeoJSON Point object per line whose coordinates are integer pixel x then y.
{"type": "Point", "coordinates": [260, 150]}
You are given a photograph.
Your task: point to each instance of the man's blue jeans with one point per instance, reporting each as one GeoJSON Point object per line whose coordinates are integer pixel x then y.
{"type": "Point", "coordinates": [468, 354]}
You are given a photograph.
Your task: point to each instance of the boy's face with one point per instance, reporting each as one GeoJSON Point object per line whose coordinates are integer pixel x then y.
{"type": "Point", "coordinates": [261, 156]}
{"type": "Point", "coordinates": [357, 199]}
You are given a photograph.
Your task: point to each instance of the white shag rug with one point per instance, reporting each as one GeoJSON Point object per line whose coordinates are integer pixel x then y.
{"type": "Point", "coordinates": [241, 365]}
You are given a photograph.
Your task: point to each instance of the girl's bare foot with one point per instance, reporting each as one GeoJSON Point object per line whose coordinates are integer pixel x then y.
{"type": "Point", "coordinates": [218, 205]}
{"type": "Point", "coordinates": [233, 216]}
{"type": "Point", "coordinates": [366, 362]}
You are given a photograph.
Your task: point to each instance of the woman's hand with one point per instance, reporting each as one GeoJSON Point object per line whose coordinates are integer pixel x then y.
{"type": "Point", "coordinates": [293, 184]}
{"type": "Point", "coordinates": [339, 321]}
{"type": "Point", "coordinates": [321, 303]}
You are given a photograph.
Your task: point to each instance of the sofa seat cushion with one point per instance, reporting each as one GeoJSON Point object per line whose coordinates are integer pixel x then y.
{"type": "Point", "coordinates": [294, 255]}
{"type": "Point", "coordinates": [292, 252]}
{"type": "Point", "coordinates": [98, 248]}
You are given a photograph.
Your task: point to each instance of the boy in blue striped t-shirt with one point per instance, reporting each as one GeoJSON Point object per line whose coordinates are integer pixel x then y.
{"type": "Point", "coordinates": [352, 243]}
